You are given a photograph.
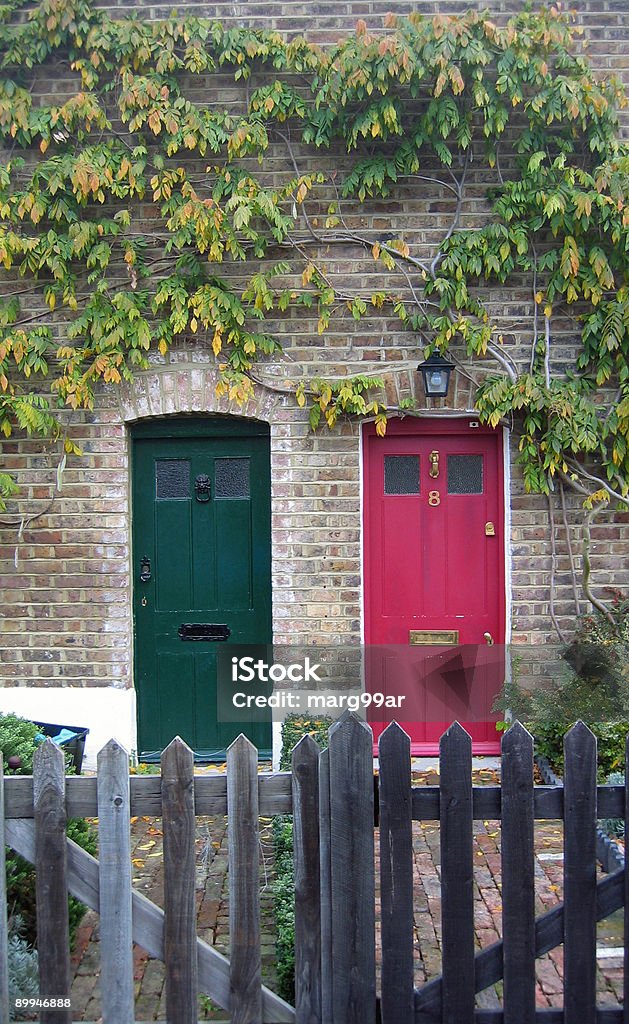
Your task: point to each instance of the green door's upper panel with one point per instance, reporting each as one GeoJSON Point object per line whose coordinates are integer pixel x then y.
{"type": "Point", "coordinates": [200, 426]}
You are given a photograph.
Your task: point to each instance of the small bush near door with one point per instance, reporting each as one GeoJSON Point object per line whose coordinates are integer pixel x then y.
{"type": "Point", "coordinates": [293, 728]}
{"type": "Point", "coordinates": [18, 740]}
{"type": "Point", "coordinates": [594, 688]}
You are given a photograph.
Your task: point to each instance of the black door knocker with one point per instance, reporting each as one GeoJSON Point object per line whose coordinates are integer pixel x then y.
{"type": "Point", "coordinates": [145, 570]}
{"type": "Point", "coordinates": [202, 487]}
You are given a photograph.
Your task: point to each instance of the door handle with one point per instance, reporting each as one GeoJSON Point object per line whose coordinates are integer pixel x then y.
{"type": "Point", "coordinates": [145, 570]}
{"type": "Point", "coordinates": [488, 638]}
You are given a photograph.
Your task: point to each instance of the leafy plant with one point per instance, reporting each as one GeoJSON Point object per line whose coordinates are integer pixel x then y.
{"type": "Point", "coordinates": [23, 968]}
{"type": "Point", "coordinates": [415, 104]}
{"type": "Point", "coordinates": [18, 737]}
{"type": "Point", "coordinates": [294, 727]}
{"type": "Point", "coordinates": [284, 904]}
{"type": "Point", "coordinates": [592, 685]}
{"type": "Point", "coordinates": [614, 826]}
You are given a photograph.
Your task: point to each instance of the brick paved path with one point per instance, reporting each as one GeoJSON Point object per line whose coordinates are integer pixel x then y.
{"type": "Point", "coordinates": [212, 897]}
{"type": "Point", "coordinates": [488, 906]}
{"type": "Point", "coordinates": [213, 912]}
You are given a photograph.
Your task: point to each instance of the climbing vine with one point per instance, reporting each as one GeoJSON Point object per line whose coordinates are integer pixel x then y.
{"type": "Point", "coordinates": [133, 215]}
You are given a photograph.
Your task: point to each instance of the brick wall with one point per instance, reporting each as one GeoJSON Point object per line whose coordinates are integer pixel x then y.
{"type": "Point", "coordinates": [65, 585]}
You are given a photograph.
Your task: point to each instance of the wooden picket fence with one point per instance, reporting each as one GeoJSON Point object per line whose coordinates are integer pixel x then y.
{"type": "Point", "coordinates": [335, 801]}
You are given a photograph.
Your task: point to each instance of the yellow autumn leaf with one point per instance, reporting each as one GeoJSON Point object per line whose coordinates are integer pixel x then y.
{"type": "Point", "coordinates": [193, 325]}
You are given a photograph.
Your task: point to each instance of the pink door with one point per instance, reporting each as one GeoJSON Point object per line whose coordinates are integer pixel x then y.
{"type": "Point", "coordinates": [434, 575]}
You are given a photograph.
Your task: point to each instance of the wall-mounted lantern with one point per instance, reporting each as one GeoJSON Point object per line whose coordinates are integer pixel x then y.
{"type": "Point", "coordinates": [436, 374]}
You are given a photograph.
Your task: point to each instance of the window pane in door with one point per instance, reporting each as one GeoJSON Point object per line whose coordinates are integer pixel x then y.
{"type": "Point", "coordinates": [401, 474]}
{"type": "Point", "coordinates": [465, 474]}
{"type": "Point", "coordinates": [232, 478]}
{"type": "Point", "coordinates": [172, 478]}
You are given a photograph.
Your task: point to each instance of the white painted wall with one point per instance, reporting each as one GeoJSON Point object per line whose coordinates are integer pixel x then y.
{"type": "Point", "coordinates": [108, 713]}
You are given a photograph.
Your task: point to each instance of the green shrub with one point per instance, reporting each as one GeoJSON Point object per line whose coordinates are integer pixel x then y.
{"type": "Point", "coordinates": [284, 902]}
{"type": "Point", "coordinates": [592, 685]}
{"type": "Point", "coordinates": [610, 740]}
{"type": "Point", "coordinates": [614, 826]}
{"type": "Point", "coordinates": [18, 738]}
{"type": "Point", "coordinates": [23, 967]}
{"type": "Point", "coordinates": [296, 726]}
{"type": "Point", "coordinates": [293, 728]}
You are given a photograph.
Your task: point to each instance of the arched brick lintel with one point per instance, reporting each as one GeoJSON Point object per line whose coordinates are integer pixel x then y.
{"type": "Point", "coordinates": [180, 389]}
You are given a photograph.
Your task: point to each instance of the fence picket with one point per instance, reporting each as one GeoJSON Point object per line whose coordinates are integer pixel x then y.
{"type": "Point", "coordinates": [325, 881]}
{"type": "Point", "coordinates": [352, 872]}
{"type": "Point", "coordinates": [114, 855]}
{"type": "Point", "coordinates": [4, 952]}
{"type": "Point", "coordinates": [580, 876]}
{"type": "Point", "coordinates": [457, 875]}
{"type": "Point", "coordinates": [396, 876]}
{"type": "Point", "coordinates": [51, 887]}
{"type": "Point", "coordinates": [244, 882]}
{"type": "Point", "coordinates": [180, 919]}
{"type": "Point", "coordinates": [518, 876]}
{"type": "Point", "coordinates": [305, 767]}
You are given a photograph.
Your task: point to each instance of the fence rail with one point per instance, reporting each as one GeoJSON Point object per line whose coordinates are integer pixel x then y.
{"type": "Point", "coordinates": [335, 804]}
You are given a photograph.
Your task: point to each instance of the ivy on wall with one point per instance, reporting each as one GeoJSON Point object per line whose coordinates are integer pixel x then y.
{"type": "Point", "coordinates": [113, 242]}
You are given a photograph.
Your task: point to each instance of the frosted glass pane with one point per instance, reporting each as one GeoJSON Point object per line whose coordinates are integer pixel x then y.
{"type": "Point", "coordinates": [172, 478]}
{"type": "Point", "coordinates": [232, 478]}
{"type": "Point", "coordinates": [465, 474]}
{"type": "Point", "coordinates": [401, 474]}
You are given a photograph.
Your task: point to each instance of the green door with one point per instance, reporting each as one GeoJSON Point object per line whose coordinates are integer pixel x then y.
{"type": "Point", "coordinates": [201, 572]}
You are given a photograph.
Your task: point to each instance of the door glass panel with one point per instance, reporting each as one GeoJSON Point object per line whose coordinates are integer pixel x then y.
{"type": "Point", "coordinates": [172, 478]}
{"type": "Point", "coordinates": [232, 478]}
{"type": "Point", "coordinates": [465, 474]}
{"type": "Point", "coordinates": [401, 474]}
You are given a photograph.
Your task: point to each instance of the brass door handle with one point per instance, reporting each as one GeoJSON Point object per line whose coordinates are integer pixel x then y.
{"type": "Point", "coordinates": [488, 639]}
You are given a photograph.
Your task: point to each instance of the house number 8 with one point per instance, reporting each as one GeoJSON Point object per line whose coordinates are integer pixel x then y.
{"type": "Point", "coordinates": [434, 498]}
